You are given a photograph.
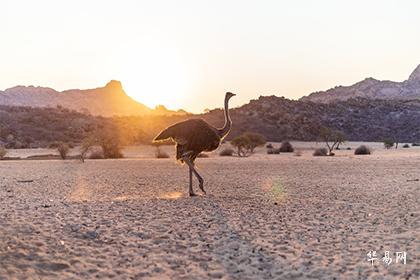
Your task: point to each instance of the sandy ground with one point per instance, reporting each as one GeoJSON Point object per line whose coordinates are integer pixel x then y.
{"type": "Point", "coordinates": [265, 217]}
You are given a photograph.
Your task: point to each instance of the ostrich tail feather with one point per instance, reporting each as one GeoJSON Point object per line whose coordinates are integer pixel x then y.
{"type": "Point", "coordinates": [162, 136]}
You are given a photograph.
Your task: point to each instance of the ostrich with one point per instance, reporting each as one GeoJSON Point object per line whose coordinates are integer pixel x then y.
{"type": "Point", "coordinates": [194, 136]}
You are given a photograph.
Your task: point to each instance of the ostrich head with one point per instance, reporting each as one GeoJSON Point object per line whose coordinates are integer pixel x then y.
{"type": "Point", "coordinates": [229, 95]}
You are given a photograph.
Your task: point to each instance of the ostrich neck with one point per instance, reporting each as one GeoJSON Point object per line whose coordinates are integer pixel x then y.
{"type": "Point", "coordinates": [228, 123]}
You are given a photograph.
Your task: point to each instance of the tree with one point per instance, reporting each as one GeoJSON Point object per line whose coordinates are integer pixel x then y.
{"type": "Point", "coordinates": [255, 140]}
{"type": "Point", "coordinates": [334, 137]}
{"type": "Point", "coordinates": [87, 145]}
{"type": "Point", "coordinates": [63, 149]}
{"type": "Point", "coordinates": [242, 145]}
{"type": "Point", "coordinates": [388, 143]}
{"type": "Point", "coordinates": [247, 142]}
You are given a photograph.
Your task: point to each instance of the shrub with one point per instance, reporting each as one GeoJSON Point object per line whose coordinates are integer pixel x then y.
{"type": "Point", "coordinates": [96, 154]}
{"type": "Point", "coordinates": [362, 150]}
{"type": "Point", "coordinates": [320, 152]}
{"type": "Point", "coordinates": [388, 143]}
{"type": "Point", "coordinates": [3, 152]}
{"type": "Point", "coordinates": [228, 152]}
{"type": "Point", "coordinates": [415, 144]}
{"type": "Point", "coordinates": [269, 146]}
{"type": "Point", "coordinates": [348, 148]}
{"type": "Point", "coordinates": [63, 149]}
{"type": "Point", "coordinates": [273, 151]}
{"type": "Point", "coordinates": [111, 147]}
{"type": "Point", "coordinates": [286, 147]}
{"type": "Point", "coordinates": [406, 146]}
{"type": "Point", "coordinates": [54, 145]}
{"type": "Point", "coordinates": [161, 154]}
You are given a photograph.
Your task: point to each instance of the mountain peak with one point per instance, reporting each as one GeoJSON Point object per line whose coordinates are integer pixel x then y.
{"type": "Point", "coordinates": [114, 85]}
{"type": "Point", "coordinates": [415, 76]}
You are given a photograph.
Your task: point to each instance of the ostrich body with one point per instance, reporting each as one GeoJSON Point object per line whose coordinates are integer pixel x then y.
{"type": "Point", "coordinates": [195, 136]}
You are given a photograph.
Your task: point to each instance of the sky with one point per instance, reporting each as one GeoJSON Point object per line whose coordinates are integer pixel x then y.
{"type": "Point", "coordinates": [187, 54]}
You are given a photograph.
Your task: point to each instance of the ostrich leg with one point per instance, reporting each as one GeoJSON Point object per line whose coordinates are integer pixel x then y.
{"type": "Point", "coordinates": [188, 161]}
{"type": "Point", "coordinates": [190, 189]}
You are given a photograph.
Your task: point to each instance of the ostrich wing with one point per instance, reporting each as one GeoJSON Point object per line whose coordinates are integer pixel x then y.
{"type": "Point", "coordinates": [194, 133]}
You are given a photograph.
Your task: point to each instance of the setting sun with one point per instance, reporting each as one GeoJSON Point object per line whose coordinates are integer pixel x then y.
{"type": "Point", "coordinates": [156, 77]}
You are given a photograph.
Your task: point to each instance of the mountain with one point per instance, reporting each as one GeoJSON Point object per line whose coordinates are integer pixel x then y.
{"type": "Point", "coordinates": [104, 101]}
{"type": "Point", "coordinates": [359, 119]}
{"type": "Point", "coordinates": [371, 89]}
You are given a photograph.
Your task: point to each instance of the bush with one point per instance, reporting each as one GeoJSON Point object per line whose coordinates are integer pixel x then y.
{"type": "Point", "coordinates": [63, 149]}
{"type": "Point", "coordinates": [348, 148]}
{"type": "Point", "coordinates": [406, 146]}
{"type": "Point", "coordinates": [320, 152]}
{"type": "Point", "coordinates": [362, 150]}
{"type": "Point", "coordinates": [111, 147]}
{"type": "Point", "coordinates": [54, 145]}
{"type": "Point", "coordinates": [161, 154]}
{"type": "Point", "coordinates": [96, 154]}
{"type": "Point", "coordinates": [415, 144]}
{"type": "Point", "coordinates": [228, 152]}
{"type": "Point", "coordinates": [3, 152]}
{"type": "Point", "coordinates": [388, 143]}
{"type": "Point", "coordinates": [269, 146]}
{"type": "Point", "coordinates": [286, 147]}
{"type": "Point", "coordinates": [273, 151]}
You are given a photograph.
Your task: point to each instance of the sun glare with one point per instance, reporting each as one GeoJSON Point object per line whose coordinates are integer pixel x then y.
{"type": "Point", "coordinates": [158, 79]}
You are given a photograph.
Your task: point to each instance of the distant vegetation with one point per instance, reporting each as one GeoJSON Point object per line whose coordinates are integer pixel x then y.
{"type": "Point", "coordinates": [362, 150]}
{"type": "Point", "coordinates": [26, 127]}
{"type": "Point", "coordinates": [227, 152]}
{"type": "Point", "coordinates": [286, 147]}
{"type": "Point", "coordinates": [160, 154]}
{"type": "Point", "coordinates": [63, 150]}
{"type": "Point", "coordinates": [3, 152]}
{"type": "Point", "coordinates": [332, 138]}
{"type": "Point", "coordinates": [276, 118]}
{"type": "Point", "coordinates": [320, 152]}
{"type": "Point", "coordinates": [247, 142]}
{"type": "Point", "coordinates": [388, 143]}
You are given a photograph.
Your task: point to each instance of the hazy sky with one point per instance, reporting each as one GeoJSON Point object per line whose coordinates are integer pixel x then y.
{"type": "Point", "coordinates": [187, 54]}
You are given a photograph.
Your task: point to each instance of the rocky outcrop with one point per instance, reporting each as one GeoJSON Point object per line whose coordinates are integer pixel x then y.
{"type": "Point", "coordinates": [104, 101]}
{"type": "Point", "coordinates": [371, 89]}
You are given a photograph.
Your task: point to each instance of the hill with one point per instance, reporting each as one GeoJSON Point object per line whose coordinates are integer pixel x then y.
{"type": "Point", "coordinates": [275, 117]}
{"type": "Point", "coordinates": [104, 101]}
{"type": "Point", "coordinates": [359, 119]}
{"type": "Point", "coordinates": [371, 88]}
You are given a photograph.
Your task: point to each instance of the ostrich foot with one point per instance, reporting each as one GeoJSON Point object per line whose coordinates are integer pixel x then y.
{"type": "Point", "coordinates": [201, 185]}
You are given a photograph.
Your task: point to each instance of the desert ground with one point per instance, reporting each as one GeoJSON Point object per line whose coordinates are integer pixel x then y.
{"type": "Point", "coordinates": [264, 217]}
